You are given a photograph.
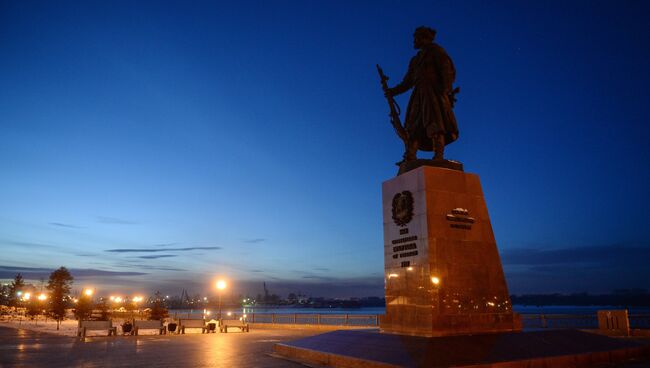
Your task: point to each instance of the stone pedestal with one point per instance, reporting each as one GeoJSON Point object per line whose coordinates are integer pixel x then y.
{"type": "Point", "coordinates": [443, 273]}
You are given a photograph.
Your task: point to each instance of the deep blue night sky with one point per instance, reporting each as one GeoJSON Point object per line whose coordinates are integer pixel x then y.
{"type": "Point", "coordinates": [156, 145]}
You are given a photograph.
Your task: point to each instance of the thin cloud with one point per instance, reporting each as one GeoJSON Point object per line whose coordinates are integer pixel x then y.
{"type": "Point", "coordinates": [321, 269]}
{"type": "Point", "coordinates": [162, 268]}
{"type": "Point", "coordinates": [601, 255]}
{"type": "Point", "coordinates": [23, 269]}
{"type": "Point", "coordinates": [164, 244]}
{"type": "Point", "coordinates": [148, 250]}
{"type": "Point", "coordinates": [577, 269]}
{"type": "Point", "coordinates": [61, 224]}
{"type": "Point", "coordinates": [254, 240]}
{"type": "Point", "coordinates": [150, 267]}
{"type": "Point", "coordinates": [158, 256]}
{"type": "Point", "coordinates": [31, 244]}
{"type": "Point", "coordinates": [38, 272]}
{"type": "Point", "coordinates": [314, 277]}
{"type": "Point", "coordinates": [89, 272]}
{"type": "Point", "coordinates": [115, 220]}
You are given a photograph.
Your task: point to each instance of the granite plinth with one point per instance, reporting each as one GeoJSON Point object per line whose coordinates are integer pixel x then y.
{"type": "Point", "coordinates": [369, 348]}
{"type": "Point", "coordinates": [407, 166]}
{"type": "Point", "coordinates": [443, 274]}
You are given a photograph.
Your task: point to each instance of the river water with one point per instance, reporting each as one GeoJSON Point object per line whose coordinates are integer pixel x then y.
{"type": "Point", "coordinates": [522, 309]}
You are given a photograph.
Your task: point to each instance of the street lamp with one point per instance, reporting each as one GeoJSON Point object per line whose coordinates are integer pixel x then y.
{"type": "Point", "coordinates": [221, 285]}
{"type": "Point", "coordinates": [88, 292]}
{"type": "Point", "coordinates": [136, 300]}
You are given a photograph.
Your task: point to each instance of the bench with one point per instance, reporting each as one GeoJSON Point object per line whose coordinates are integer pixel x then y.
{"type": "Point", "coordinates": [148, 325]}
{"type": "Point", "coordinates": [241, 324]}
{"type": "Point", "coordinates": [85, 326]}
{"type": "Point", "coordinates": [191, 323]}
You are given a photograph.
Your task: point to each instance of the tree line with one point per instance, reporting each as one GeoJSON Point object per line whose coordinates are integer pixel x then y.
{"type": "Point", "coordinates": [57, 300]}
{"type": "Point", "coordinates": [54, 304]}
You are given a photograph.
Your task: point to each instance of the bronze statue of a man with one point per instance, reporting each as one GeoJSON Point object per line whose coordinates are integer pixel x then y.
{"type": "Point", "coordinates": [430, 123]}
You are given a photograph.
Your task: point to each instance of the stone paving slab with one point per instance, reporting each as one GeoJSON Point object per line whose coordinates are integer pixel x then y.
{"type": "Point", "coordinates": [23, 348]}
{"type": "Point", "coordinates": [369, 348]}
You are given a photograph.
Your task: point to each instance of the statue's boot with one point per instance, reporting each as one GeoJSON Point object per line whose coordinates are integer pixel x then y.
{"type": "Point", "coordinates": [411, 151]}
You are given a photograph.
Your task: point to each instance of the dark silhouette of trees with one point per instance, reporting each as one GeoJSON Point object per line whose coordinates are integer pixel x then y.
{"type": "Point", "coordinates": [16, 286]}
{"type": "Point", "coordinates": [84, 308]}
{"type": "Point", "coordinates": [34, 307]}
{"type": "Point", "coordinates": [4, 294]}
{"type": "Point", "coordinates": [103, 310]}
{"type": "Point", "coordinates": [158, 308]}
{"type": "Point", "coordinates": [59, 286]}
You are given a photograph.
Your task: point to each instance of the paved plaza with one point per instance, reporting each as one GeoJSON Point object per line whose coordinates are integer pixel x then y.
{"type": "Point", "coordinates": [23, 348]}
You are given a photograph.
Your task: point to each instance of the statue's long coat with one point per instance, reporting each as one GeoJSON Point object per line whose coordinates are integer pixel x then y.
{"type": "Point", "coordinates": [431, 74]}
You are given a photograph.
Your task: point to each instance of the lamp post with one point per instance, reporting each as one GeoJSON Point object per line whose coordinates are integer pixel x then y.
{"type": "Point", "coordinates": [41, 298]}
{"type": "Point", "coordinates": [137, 299]}
{"type": "Point", "coordinates": [221, 285]}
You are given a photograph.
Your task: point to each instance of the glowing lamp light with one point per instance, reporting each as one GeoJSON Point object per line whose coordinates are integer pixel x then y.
{"type": "Point", "coordinates": [392, 275]}
{"type": "Point", "coordinates": [435, 280]}
{"type": "Point", "coordinates": [19, 293]}
{"type": "Point", "coordinates": [137, 299]}
{"type": "Point", "coordinates": [88, 292]}
{"type": "Point", "coordinates": [229, 314]}
{"type": "Point", "coordinates": [27, 296]}
{"type": "Point", "coordinates": [112, 298]}
{"type": "Point", "coordinates": [221, 284]}
{"type": "Point", "coordinates": [118, 299]}
{"type": "Point", "coordinates": [42, 297]}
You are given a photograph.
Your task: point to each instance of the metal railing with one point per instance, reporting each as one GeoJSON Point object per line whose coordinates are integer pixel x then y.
{"type": "Point", "coordinates": [555, 321]}
{"type": "Point", "coordinates": [356, 320]}
{"type": "Point", "coordinates": [584, 321]}
{"type": "Point", "coordinates": [315, 319]}
{"type": "Point", "coordinates": [529, 321]}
